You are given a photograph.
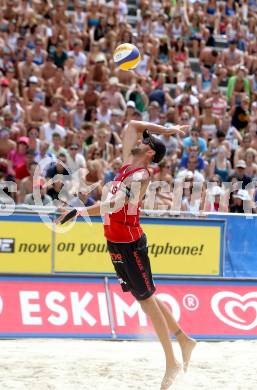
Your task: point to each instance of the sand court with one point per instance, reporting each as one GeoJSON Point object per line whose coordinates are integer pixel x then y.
{"type": "Point", "coordinates": [49, 364]}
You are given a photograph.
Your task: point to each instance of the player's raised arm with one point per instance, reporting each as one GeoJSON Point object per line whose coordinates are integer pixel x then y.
{"type": "Point", "coordinates": [134, 130]}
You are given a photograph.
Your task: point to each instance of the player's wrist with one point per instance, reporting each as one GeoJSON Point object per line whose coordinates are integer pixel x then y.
{"type": "Point", "coordinates": [80, 211]}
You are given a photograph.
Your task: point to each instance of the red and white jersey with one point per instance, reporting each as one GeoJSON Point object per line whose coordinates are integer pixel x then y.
{"type": "Point", "coordinates": [123, 225]}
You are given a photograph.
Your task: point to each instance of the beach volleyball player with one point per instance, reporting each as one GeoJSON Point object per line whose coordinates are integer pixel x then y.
{"type": "Point", "coordinates": [126, 241]}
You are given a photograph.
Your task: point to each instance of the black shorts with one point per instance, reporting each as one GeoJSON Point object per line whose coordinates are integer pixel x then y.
{"type": "Point", "coordinates": [132, 266]}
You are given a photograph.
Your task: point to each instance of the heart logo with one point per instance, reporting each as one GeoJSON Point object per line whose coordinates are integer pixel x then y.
{"type": "Point", "coordinates": [225, 303]}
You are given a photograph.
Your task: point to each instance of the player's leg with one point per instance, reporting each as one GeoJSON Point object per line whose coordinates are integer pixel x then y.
{"type": "Point", "coordinates": [186, 343]}
{"type": "Point", "coordinates": [151, 308]}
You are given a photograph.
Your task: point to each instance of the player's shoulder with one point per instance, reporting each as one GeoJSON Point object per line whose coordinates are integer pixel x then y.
{"type": "Point", "coordinates": [141, 174]}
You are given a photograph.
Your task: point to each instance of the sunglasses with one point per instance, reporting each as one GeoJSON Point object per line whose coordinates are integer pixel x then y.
{"type": "Point", "coordinates": [73, 148]}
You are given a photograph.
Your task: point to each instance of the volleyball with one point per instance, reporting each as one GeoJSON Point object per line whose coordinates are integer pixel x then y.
{"type": "Point", "coordinates": [126, 56]}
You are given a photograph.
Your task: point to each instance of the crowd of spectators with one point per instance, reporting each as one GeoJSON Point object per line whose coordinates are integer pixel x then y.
{"type": "Point", "coordinates": [64, 105]}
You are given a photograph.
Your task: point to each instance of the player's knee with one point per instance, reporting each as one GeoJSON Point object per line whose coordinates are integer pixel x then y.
{"type": "Point", "coordinates": [147, 304]}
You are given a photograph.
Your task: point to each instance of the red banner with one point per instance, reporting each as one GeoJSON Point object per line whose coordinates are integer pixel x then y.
{"type": "Point", "coordinates": [66, 307]}
{"type": "Point", "coordinates": [58, 306]}
{"type": "Point", "coordinates": [203, 309]}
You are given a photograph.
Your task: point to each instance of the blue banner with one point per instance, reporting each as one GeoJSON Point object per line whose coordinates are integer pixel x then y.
{"type": "Point", "coordinates": [241, 246]}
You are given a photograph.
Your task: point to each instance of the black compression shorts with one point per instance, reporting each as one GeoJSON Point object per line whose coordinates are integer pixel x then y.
{"type": "Point", "coordinates": [132, 266]}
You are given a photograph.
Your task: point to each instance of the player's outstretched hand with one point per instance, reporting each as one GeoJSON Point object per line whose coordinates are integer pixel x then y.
{"type": "Point", "coordinates": [66, 216]}
{"type": "Point", "coordinates": [178, 129]}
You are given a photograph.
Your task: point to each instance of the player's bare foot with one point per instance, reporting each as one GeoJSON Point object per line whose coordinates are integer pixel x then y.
{"type": "Point", "coordinates": [187, 347]}
{"type": "Point", "coordinates": [170, 376]}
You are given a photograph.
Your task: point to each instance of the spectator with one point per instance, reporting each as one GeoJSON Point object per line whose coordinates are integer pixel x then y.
{"type": "Point", "coordinates": [194, 139]}
{"type": "Point", "coordinates": [214, 144]}
{"type": "Point", "coordinates": [13, 128]}
{"type": "Point", "coordinates": [4, 92]}
{"type": "Point", "coordinates": [26, 184]}
{"type": "Point", "coordinates": [83, 199]}
{"type": "Point", "coordinates": [220, 165]}
{"type": "Point", "coordinates": [241, 114]}
{"type": "Point", "coordinates": [244, 145]}
{"type": "Point", "coordinates": [22, 170]}
{"type": "Point", "coordinates": [26, 68]}
{"type": "Point", "coordinates": [103, 111]}
{"type": "Point", "coordinates": [187, 98]}
{"type": "Point", "coordinates": [48, 129]}
{"type": "Point", "coordinates": [233, 136]}
{"type": "Point", "coordinates": [15, 110]}
{"type": "Point", "coordinates": [164, 172]}
{"type": "Point", "coordinates": [75, 160]}
{"type": "Point", "coordinates": [6, 144]}
{"type": "Point", "coordinates": [179, 53]}
{"type": "Point", "coordinates": [232, 57]}
{"type": "Point", "coordinates": [58, 168]}
{"type": "Point", "coordinates": [218, 102]}
{"type": "Point", "coordinates": [101, 147]}
{"type": "Point", "coordinates": [153, 112]}
{"type": "Point", "coordinates": [242, 202]}
{"type": "Point", "coordinates": [30, 90]}
{"type": "Point", "coordinates": [60, 55]}
{"type": "Point", "coordinates": [48, 68]}
{"type": "Point", "coordinates": [238, 86]}
{"type": "Point", "coordinates": [113, 95]}
{"type": "Point", "coordinates": [43, 198]}
{"type": "Point", "coordinates": [189, 203]}
{"type": "Point", "coordinates": [130, 110]}
{"type": "Point", "coordinates": [209, 58]}
{"type": "Point", "coordinates": [191, 170]}
{"type": "Point", "coordinates": [208, 123]}
{"type": "Point", "coordinates": [213, 202]}
{"type": "Point", "coordinates": [17, 157]}
{"type": "Point", "coordinates": [33, 138]}
{"type": "Point", "coordinates": [56, 147]}
{"type": "Point", "coordinates": [99, 72]}
{"type": "Point", "coordinates": [240, 175]}
{"type": "Point", "coordinates": [113, 171]}
{"type": "Point", "coordinates": [90, 97]}
{"type": "Point", "coordinates": [58, 75]}
{"type": "Point", "coordinates": [69, 94]}
{"type": "Point", "coordinates": [172, 143]}
{"type": "Point", "coordinates": [251, 163]}
{"type": "Point", "coordinates": [79, 56]}
{"type": "Point", "coordinates": [206, 81]}
{"type": "Point", "coordinates": [192, 154]}
{"type": "Point", "coordinates": [57, 192]}
{"type": "Point", "coordinates": [36, 113]}
{"type": "Point", "coordinates": [77, 116]}
{"type": "Point", "coordinates": [7, 196]}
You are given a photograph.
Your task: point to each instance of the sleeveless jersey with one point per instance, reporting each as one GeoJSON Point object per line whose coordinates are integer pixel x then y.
{"type": "Point", "coordinates": [123, 225]}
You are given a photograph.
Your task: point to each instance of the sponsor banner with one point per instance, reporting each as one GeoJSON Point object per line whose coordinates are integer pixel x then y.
{"type": "Point", "coordinates": [178, 247]}
{"type": "Point", "coordinates": [25, 246]}
{"type": "Point", "coordinates": [186, 247]}
{"type": "Point", "coordinates": [206, 310]}
{"type": "Point", "coordinates": [82, 249]}
{"type": "Point", "coordinates": [41, 307]}
{"type": "Point", "coordinates": [76, 307]}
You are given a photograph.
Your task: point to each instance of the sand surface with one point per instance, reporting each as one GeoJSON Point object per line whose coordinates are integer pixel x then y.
{"type": "Point", "coordinates": [138, 365]}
